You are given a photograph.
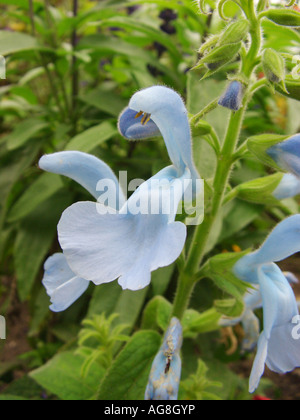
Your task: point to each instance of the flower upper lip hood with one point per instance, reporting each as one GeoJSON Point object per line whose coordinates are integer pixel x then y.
{"type": "Point", "coordinates": [169, 114]}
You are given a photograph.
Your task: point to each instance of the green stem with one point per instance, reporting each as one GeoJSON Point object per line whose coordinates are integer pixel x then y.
{"type": "Point", "coordinates": [187, 277]}
{"type": "Point", "coordinates": [75, 74]}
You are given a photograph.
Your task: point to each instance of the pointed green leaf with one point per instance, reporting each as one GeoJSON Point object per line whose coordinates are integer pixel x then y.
{"type": "Point", "coordinates": [128, 376]}
{"type": "Point", "coordinates": [61, 376]}
{"type": "Point", "coordinates": [88, 140]}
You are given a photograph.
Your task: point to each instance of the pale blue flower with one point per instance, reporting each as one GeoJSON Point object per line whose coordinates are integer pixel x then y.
{"type": "Point", "coordinates": [276, 346]}
{"type": "Point", "coordinates": [62, 285]}
{"type": "Point", "coordinates": [288, 187]}
{"type": "Point", "coordinates": [165, 373]}
{"type": "Point", "coordinates": [250, 322]}
{"type": "Point", "coordinates": [129, 239]}
{"type": "Point", "coordinates": [287, 154]}
{"type": "Point", "coordinates": [232, 98]}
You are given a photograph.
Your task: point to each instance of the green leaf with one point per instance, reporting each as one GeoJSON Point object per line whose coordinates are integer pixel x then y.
{"type": "Point", "coordinates": [199, 323]}
{"type": "Point", "coordinates": [24, 388]}
{"type": "Point", "coordinates": [110, 298]}
{"type": "Point", "coordinates": [259, 145]}
{"type": "Point", "coordinates": [237, 215]}
{"type": "Point", "coordinates": [11, 167]}
{"type": "Point", "coordinates": [34, 238]}
{"type": "Point", "coordinates": [8, 397]}
{"type": "Point", "coordinates": [260, 190]}
{"type": "Point", "coordinates": [44, 187]}
{"type": "Point", "coordinates": [284, 17]}
{"type": "Point", "coordinates": [150, 31]}
{"type": "Point", "coordinates": [24, 131]}
{"type": "Point", "coordinates": [93, 137]}
{"type": "Point", "coordinates": [229, 307]}
{"type": "Point", "coordinates": [128, 376]}
{"type": "Point", "coordinates": [157, 314]}
{"type": "Point", "coordinates": [105, 100]}
{"type": "Point", "coordinates": [292, 86]}
{"type": "Point", "coordinates": [12, 42]}
{"type": "Point", "coordinates": [161, 278]}
{"type": "Point", "coordinates": [61, 376]}
{"type": "Point", "coordinates": [220, 270]}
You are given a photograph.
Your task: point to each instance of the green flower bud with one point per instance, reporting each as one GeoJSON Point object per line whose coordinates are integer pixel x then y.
{"type": "Point", "coordinates": [219, 56]}
{"type": "Point", "coordinates": [259, 145]}
{"type": "Point", "coordinates": [292, 86]}
{"type": "Point", "coordinates": [202, 128]}
{"type": "Point", "coordinates": [283, 17]}
{"type": "Point", "coordinates": [209, 44]}
{"type": "Point", "coordinates": [262, 5]}
{"type": "Point", "coordinates": [273, 65]}
{"type": "Point", "coordinates": [234, 33]}
{"type": "Point", "coordinates": [230, 307]}
{"type": "Point", "coordinates": [260, 190]}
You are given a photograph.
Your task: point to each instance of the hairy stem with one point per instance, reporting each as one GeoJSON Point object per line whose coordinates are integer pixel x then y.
{"type": "Point", "coordinates": [225, 164]}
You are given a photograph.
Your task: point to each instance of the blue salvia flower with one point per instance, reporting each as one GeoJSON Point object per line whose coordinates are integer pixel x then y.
{"type": "Point", "coordinates": [233, 96]}
{"type": "Point", "coordinates": [277, 346]}
{"type": "Point", "coordinates": [165, 373]}
{"type": "Point", "coordinates": [288, 187]}
{"type": "Point", "coordinates": [103, 242]}
{"type": "Point", "coordinates": [250, 322]}
{"type": "Point", "coordinates": [287, 154]}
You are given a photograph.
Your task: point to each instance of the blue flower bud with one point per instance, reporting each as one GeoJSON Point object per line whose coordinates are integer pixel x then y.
{"type": "Point", "coordinates": [166, 369]}
{"type": "Point", "coordinates": [233, 96]}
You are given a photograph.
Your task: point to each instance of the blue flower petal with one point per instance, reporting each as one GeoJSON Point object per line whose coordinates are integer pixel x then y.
{"type": "Point", "coordinates": [279, 301]}
{"type": "Point", "coordinates": [85, 169]}
{"type": "Point", "coordinates": [132, 128]}
{"type": "Point", "coordinates": [287, 154]}
{"type": "Point", "coordinates": [277, 347]}
{"type": "Point", "coordinates": [283, 242]}
{"type": "Point", "coordinates": [258, 367]}
{"type": "Point", "coordinates": [61, 284]}
{"type": "Point", "coordinates": [283, 349]}
{"type": "Point", "coordinates": [124, 245]}
{"type": "Point", "coordinates": [288, 187]}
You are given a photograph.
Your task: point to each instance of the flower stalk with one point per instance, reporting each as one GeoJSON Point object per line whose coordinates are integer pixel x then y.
{"type": "Point", "coordinates": [196, 254]}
